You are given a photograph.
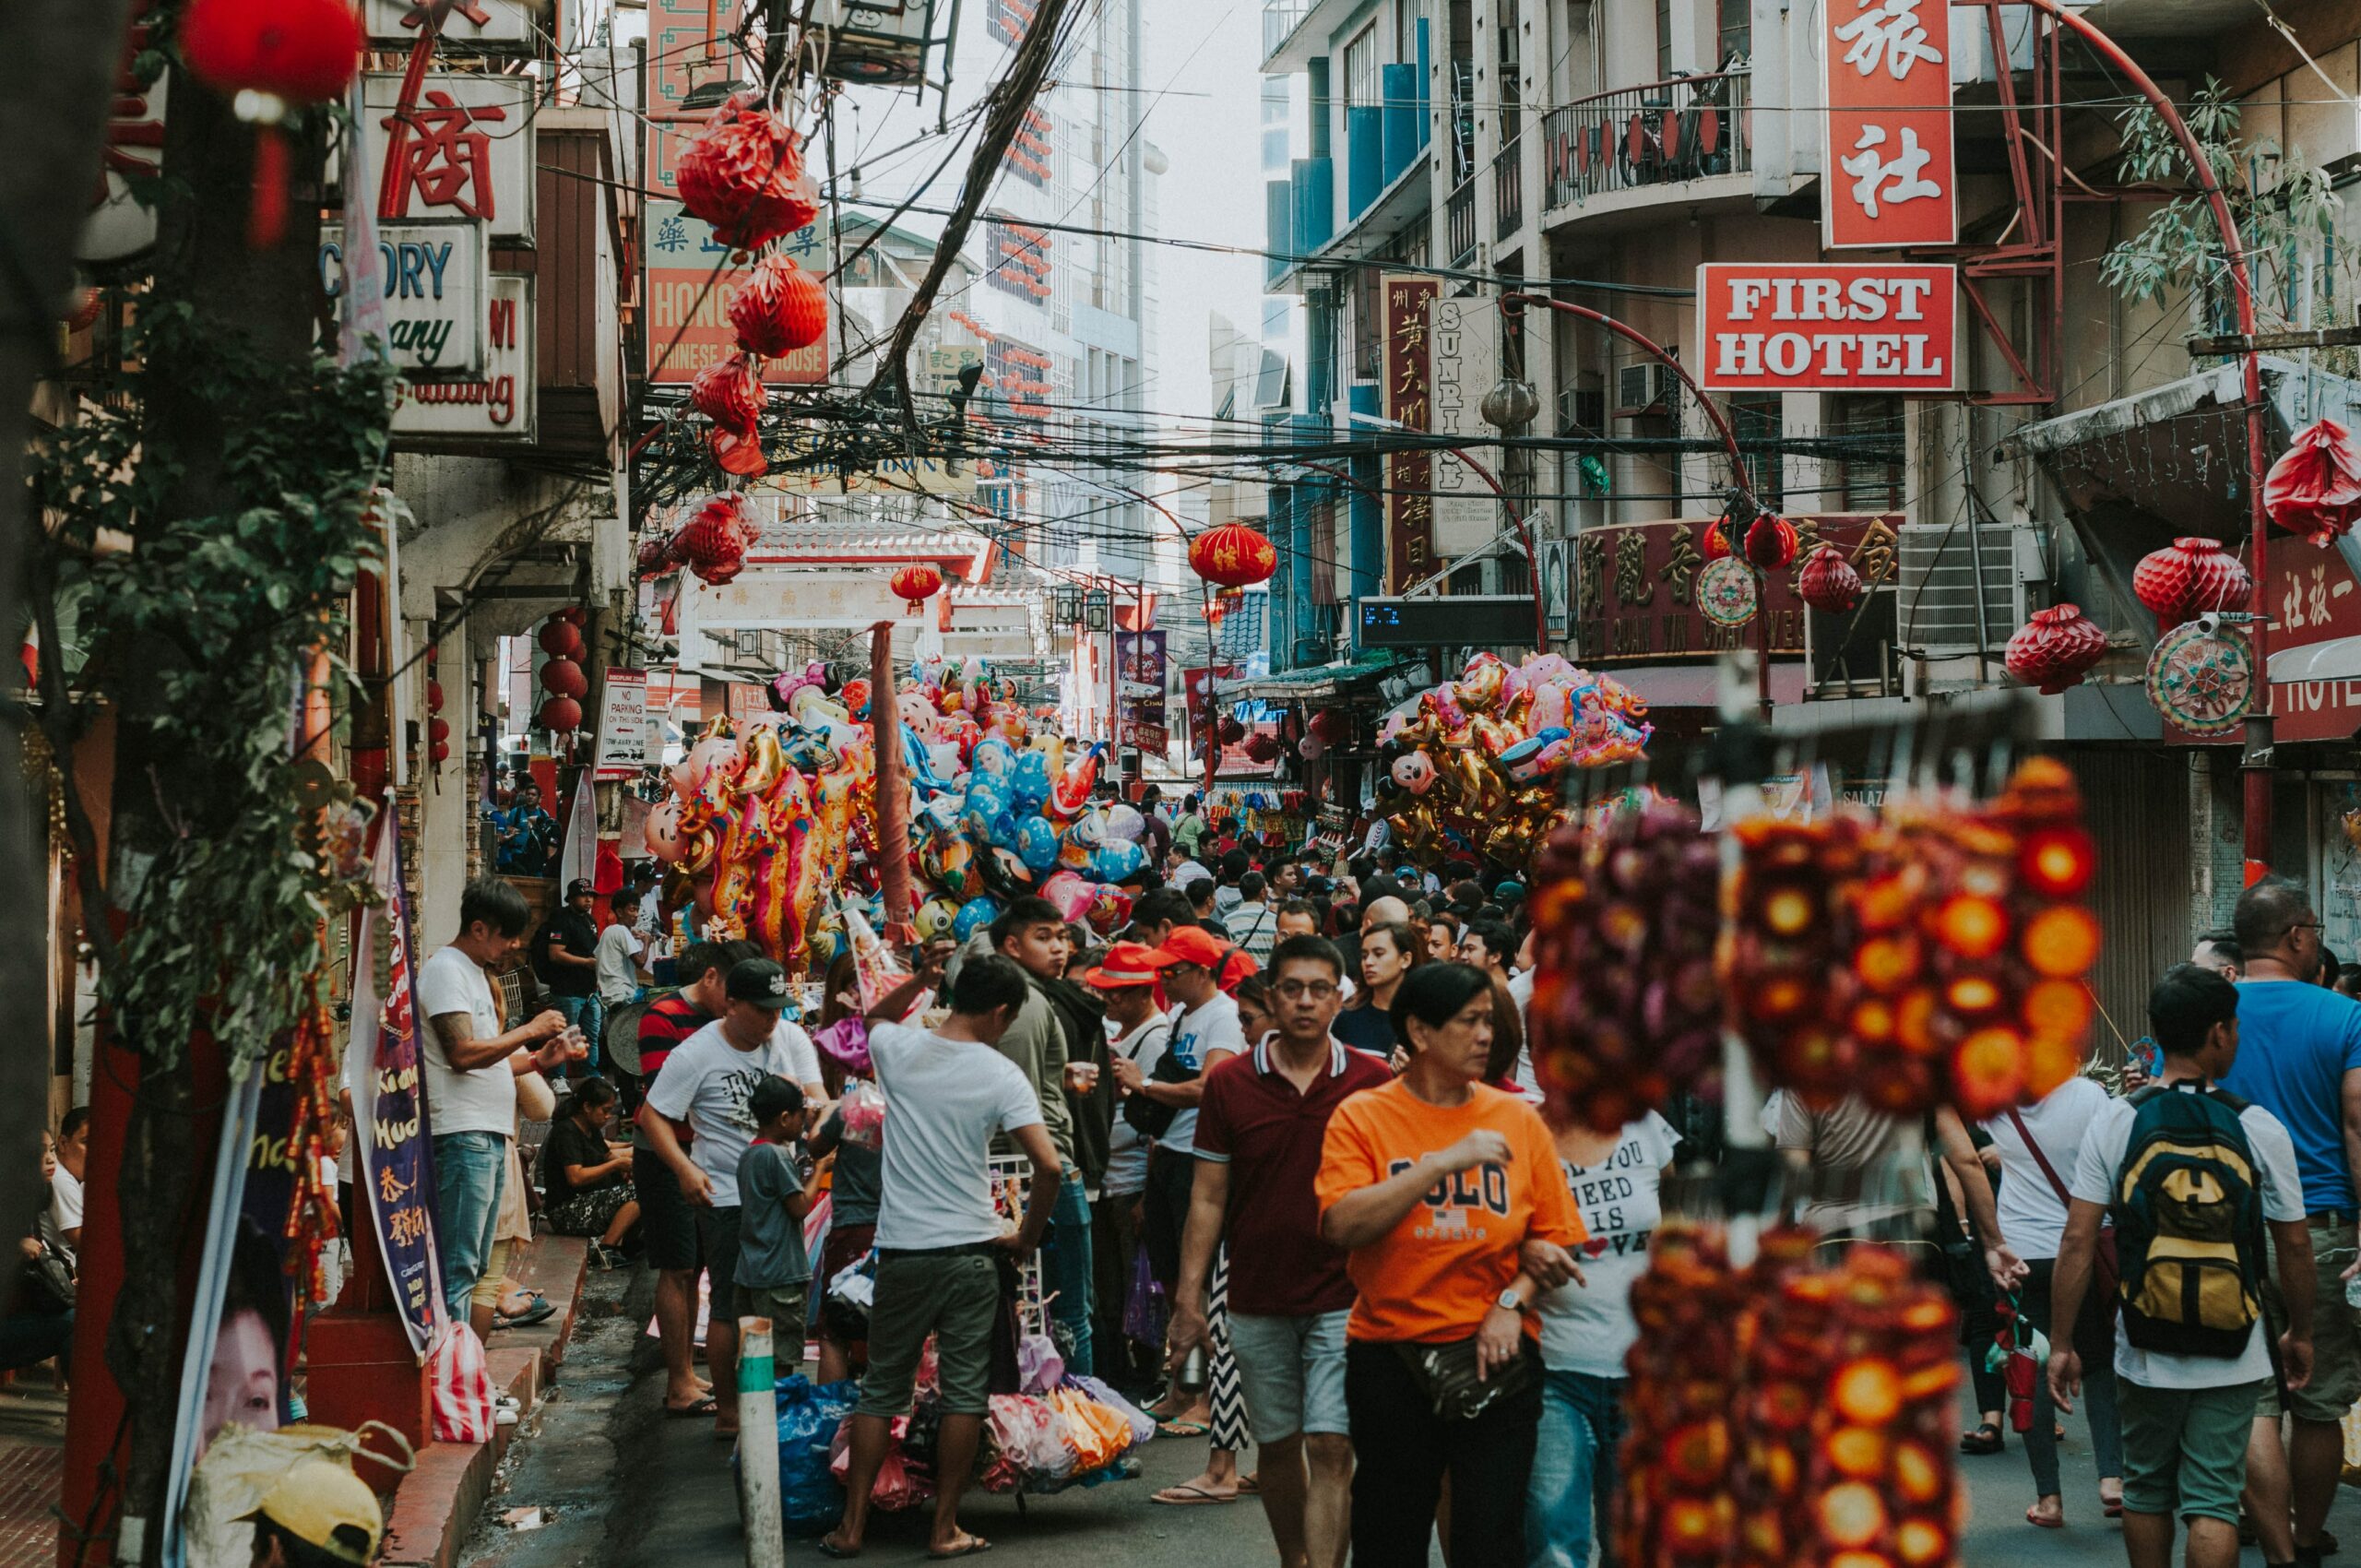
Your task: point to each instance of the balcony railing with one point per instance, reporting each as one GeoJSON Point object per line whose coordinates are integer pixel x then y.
{"type": "Point", "coordinates": [1280, 18]}
{"type": "Point", "coordinates": [1459, 224]}
{"type": "Point", "coordinates": [1660, 133]}
{"type": "Point", "coordinates": [1508, 189]}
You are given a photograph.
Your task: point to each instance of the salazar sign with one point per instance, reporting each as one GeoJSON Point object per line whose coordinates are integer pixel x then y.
{"type": "Point", "coordinates": [1800, 327]}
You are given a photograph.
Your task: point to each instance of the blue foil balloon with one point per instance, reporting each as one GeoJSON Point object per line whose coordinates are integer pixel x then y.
{"type": "Point", "coordinates": [974, 915]}
{"type": "Point", "coordinates": [1005, 832]}
{"type": "Point", "coordinates": [1028, 782]}
{"type": "Point", "coordinates": [993, 756]}
{"type": "Point", "coordinates": [1036, 844]}
{"type": "Point", "coordinates": [1115, 860]}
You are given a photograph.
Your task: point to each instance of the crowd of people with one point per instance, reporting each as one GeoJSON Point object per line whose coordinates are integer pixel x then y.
{"type": "Point", "coordinates": [1290, 1190]}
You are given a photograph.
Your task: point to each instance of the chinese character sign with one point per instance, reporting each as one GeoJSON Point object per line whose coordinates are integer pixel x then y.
{"type": "Point", "coordinates": [390, 1129]}
{"type": "Point", "coordinates": [1800, 327]}
{"type": "Point", "coordinates": [1888, 175]}
{"type": "Point", "coordinates": [464, 150]}
{"type": "Point", "coordinates": [1409, 401]}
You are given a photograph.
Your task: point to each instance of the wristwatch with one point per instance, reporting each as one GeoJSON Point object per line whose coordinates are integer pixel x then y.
{"type": "Point", "coordinates": [1510, 1302]}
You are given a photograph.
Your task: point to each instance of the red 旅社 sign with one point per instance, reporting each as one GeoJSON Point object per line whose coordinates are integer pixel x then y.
{"type": "Point", "coordinates": [1796, 326]}
{"type": "Point", "coordinates": [1888, 175]}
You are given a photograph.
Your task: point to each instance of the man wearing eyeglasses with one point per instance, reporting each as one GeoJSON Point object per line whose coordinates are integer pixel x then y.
{"type": "Point", "coordinates": [2299, 1058]}
{"type": "Point", "coordinates": [1261, 1125]}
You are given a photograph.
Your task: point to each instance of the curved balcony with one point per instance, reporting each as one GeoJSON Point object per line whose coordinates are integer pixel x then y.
{"type": "Point", "coordinates": [1636, 145]}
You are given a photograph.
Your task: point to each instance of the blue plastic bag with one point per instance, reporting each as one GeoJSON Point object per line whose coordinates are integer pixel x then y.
{"type": "Point", "coordinates": [809, 1415]}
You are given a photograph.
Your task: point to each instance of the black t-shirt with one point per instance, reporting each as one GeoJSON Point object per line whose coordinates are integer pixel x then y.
{"type": "Point", "coordinates": [577, 933]}
{"type": "Point", "coordinates": [1365, 1029]}
{"type": "Point", "coordinates": [570, 1142]}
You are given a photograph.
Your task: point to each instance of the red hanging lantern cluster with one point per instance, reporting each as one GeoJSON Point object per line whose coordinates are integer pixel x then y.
{"type": "Point", "coordinates": [730, 393]}
{"type": "Point", "coordinates": [736, 454]}
{"type": "Point", "coordinates": [713, 543]}
{"type": "Point", "coordinates": [918, 583]}
{"type": "Point", "coordinates": [2314, 488]}
{"type": "Point", "coordinates": [1233, 555]}
{"type": "Point", "coordinates": [1715, 542]}
{"type": "Point", "coordinates": [1332, 725]}
{"type": "Point", "coordinates": [1770, 542]}
{"type": "Point", "coordinates": [560, 638]}
{"type": "Point", "coordinates": [438, 729]}
{"type": "Point", "coordinates": [2056, 648]}
{"type": "Point", "coordinates": [269, 57]}
{"type": "Point", "coordinates": [560, 715]}
{"type": "Point", "coordinates": [744, 174]}
{"type": "Point", "coordinates": [779, 309]}
{"type": "Point", "coordinates": [655, 557]}
{"type": "Point", "coordinates": [1262, 746]}
{"type": "Point", "coordinates": [2193, 578]}
{"type": "Point", "coordinates": [1829, 583]}
{"type": "Point", "coordinates": [563, 678]}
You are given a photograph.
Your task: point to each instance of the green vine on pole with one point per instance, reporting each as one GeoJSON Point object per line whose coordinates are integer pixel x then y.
{"type": "Point", "coordinates": [202, 630]}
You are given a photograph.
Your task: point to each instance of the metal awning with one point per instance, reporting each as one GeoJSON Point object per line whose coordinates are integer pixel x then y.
{"type": "Point", "coordinates": [1308, 684]}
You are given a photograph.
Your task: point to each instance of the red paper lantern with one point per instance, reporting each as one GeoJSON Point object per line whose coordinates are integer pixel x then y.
{"type": "Point", "coordinates": [268, 57]}
{"type": "Point", "coordinates": [1829, 583]}
{"type": "Point", "coordinates": [440, 753]}
{"type": "Point", "coordinates": [1715, 542]}
{"type": "Point", "coordinates": [2193, 578]}
{"type": "Point", "coordinates": [731, 394]}
{"type": "Point", "coordinates": [573, 615]}
{"type": "Point", "coordinates": [563, 678]}
{"type": "Point", "coordinates": [1233, 555]}
{"type": "Point", "coordinates": [2056, 648]}
{"type": "Point", "coordinates": [1232, 732]}
{"type": "Point", "coordinates": [1333, 726]}
{"type": "Point", "coordinates": [736, 454]}
{"type": "Point", "coordinates": [434, 697]}
{"type": "Point", "coordinates": [713, 543]}
{"type": "Point", "coordinates": [1263, 747]}
{"type": "Point", "coordinates": [559, 639]}
{"type": "Point", "coordinates": [438, 730]}
{"type": "Point", "coordinates": [744, 176]}
{"type": "Point", "coordinates": [917, 584]}
{"type": "Point", "coordinates": [2315, 487]}
{"type": "Point", "coordinates": [656, 556]}
{"type": "Point", "coordinates": [1770, 542]}
{"type": "Point", "coordinates": [562, 715]}
{"type": "Point", "coordinates": [780, 309]}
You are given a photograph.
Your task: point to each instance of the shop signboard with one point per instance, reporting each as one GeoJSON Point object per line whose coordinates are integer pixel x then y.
{"type": "Point", "coordinates": [1887, 84]}
{"type": "Point", "coordinates": [1466, 331]}
{"type": "Point", "coordinates": [692, 48]}
{"type": "Point", "coordinates": [120, 224]}
{"type": "Point", "coordinates": [498, 402]}
{"type": "Point", "coordinates": [436, 285]}
{"type": "Point", "coordinates": [1409, 402]}
{"type": "Point", "coordinates": [622, 725]}
{"type": "Point", "coordinates": [1635, 588]}
{"type": "Point", "coordinates": [1827, 327]}
{"type": "Point", "coordinates": [472, 24]}
{"type": "Point", "coordinates": [465, 150]}
{"type": "Point", "coordinates": [690, 280]}
{"type": "Point", "coordinates": [2315, 603]}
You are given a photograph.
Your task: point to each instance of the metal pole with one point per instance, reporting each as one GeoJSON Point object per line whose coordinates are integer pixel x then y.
{"type": "Point", "coordinates": [758, 1493]}
{"type": "Point", "coordinates": [893, 789]}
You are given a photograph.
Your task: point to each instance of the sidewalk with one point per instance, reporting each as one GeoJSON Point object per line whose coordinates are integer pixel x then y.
{"type": "Point", "coordinates": [32, 1463]}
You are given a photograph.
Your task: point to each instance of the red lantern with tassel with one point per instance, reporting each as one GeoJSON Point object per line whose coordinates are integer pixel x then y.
{"type": "Point", "coordinates": [713, 543]}
{"type": "Point", "coordinates": [439, 732]}
{"type": "Point", "coordinates": [917, 584]}
{"type": "Point", "coordinates": [736, 454]}
{"type": "Point", "coordinates": [1715, 542]}
{"type": "Point", "coordinates": [271, 58]}
{"type": "Point", "coordinates": [1770, 542]}
{"type": "Point", "coordinates": [434, 695]}
{"type": "Point", "coordinates": [439, 753]}
{"type": "Point", "coordinates": [731, 394]}
{"type": "Point", "coordinates": [744, 176]}
{"type": "Point", "coordinates": [780, 309]}
{"type": "Point", "coordinates": [563, 678]}
{"type": "Point", "coordinates": [2194, 578]}
{"type": "Point", "coordinates": [562, 715]}
{"type": "Point", "coordinates": [1233, 555]}
{"type": "Point", "coordinates": [1829, 583]}
{"type": "Point", "coordinates": [2056, 648]}
{"type": "Point", "coordinates": [559, 639]}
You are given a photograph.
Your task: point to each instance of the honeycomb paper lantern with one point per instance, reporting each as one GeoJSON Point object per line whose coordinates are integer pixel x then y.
{"type": "Point", "coordinates": [2056, 648]}
{"type": "Point", "coordinates": [744, 176]}
{"type": "Point", "coordinates": [2192, 577]}
{"type": "Point", "coordinates": [1263, 747]}
{"type": "Point", "coordinates": [780, 309]}
{"type": "Point", "coordinates": [1233, 555]}
{"type": "Point", "coordinates": [713, 543]}
{"type": "Point", "coordinates": [1770, 542]}
{"type": "Point", "coordinates": [1829, 583]}
{"type": "Point", "coordinates": [731, 394]}
{"type": "Point", "coordinates": [736, 454]}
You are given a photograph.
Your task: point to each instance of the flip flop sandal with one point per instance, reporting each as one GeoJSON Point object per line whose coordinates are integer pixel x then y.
{"type": "Point", "coordinates": [972, 1546]}
{"type": "Point", "coordinates": [705, 1406]}
{"type": "Point", "coordinates": [2044, 1522]}
{"type": "Point", "coordinates": [1250, 1485]}
{"type": "Point", "coordinates": [539, 1311]}
{"type": "Point", "coordinates": [1984, 1439]}
{"type": "Point", "coordinates": [1189, 1497]}
{"type": "Point", "coordinates": [1182, 1429]}
{"type": "Point", "coordinates": [830, 1549]}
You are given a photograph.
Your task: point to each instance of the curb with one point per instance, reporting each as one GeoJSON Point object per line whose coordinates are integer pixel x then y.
{"type": "Point", "coordinates": [435, 1507]}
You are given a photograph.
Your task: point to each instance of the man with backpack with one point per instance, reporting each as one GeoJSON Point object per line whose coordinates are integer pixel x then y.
{"type": "Point", "coordinates": [2192, 1177]}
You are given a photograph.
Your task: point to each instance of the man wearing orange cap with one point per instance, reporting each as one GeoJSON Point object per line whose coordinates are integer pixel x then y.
{"type": "Point", "coordinates": [1137, 1028]}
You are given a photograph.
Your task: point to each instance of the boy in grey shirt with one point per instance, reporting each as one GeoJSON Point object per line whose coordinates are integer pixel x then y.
{"type": "Point", "coordinates": [777, 1188]}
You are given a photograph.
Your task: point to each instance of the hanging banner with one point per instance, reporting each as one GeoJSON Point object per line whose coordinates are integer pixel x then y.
{"type": "Point", "coordinates": [1888, 174]}
{"type": "Point", "coordinates": [1409, 402]}
{"type": "Point", "coordinates": [1464, 330]}
{"type": "Point", "coordinates": [1834, 327]}
{"type": "Point", "coordinates": [622, 725]}
{"type": "Point", "coordinates": [389, 1132]}
{"type": "Point", "coordinates": [1140, 664]}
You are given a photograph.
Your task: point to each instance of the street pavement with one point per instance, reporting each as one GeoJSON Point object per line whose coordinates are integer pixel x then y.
{"type": "Point", "coordinates": [602, 1478]}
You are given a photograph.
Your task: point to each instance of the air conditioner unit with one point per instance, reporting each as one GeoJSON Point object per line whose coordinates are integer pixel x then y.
{"type": "Point", "coordinates": [1643, 389]}
{"type": "Point", "coordinates": [1936, 608]}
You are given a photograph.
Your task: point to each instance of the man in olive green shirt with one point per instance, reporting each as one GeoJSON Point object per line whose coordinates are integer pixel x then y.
{"type": "Point", "coordinates": [1034, 934]}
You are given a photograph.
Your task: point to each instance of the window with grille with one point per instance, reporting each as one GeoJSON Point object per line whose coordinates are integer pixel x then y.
{"type": "Point", "coordinates": [1030, 156]}
{"type": "Point", "coordinates": [1735, 32]}
{"type": "Point", "coordinates": [1360, 69]}
{"type": "Point", "coordinates": [1016, 259]}
{"type": "Point", "coordinates": [1664, 40]}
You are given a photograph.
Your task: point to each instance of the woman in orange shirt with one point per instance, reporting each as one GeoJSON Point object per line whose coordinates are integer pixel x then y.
{"type": "Point", "coordinates": [1450, 1200]}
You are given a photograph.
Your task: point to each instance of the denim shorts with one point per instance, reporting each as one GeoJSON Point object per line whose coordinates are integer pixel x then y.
{"type": "Point", "coordinates": [1292, 1371]}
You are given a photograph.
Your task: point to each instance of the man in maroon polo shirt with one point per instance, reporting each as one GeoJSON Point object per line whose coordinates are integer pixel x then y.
{"type": "Point", "coordinates": [1261, 1127]}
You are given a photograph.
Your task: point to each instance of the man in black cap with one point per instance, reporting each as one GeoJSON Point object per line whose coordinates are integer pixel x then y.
{"type": "Point", "coordinates": [565, 956]}
{"type": "Point", "coordinates": [708, 1081]}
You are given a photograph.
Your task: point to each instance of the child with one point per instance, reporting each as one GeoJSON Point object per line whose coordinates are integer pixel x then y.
{"type": "Point", "coordinates": [776, 1190]}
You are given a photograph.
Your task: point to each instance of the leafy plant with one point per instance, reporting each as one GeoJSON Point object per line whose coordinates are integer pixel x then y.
{"type": "Point", "coordinates": [2284, 206]}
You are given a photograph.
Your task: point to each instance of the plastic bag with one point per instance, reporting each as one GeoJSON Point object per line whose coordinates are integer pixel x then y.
{"type": "Point", "coordinates": [239, 1468]}
{"type": "Point", "coordinates": [809, 1415]}
{"type": "Point", "coordinates": [845, 1042]}
{"type": "Point", "coordinates": [878, 968]}
{"type": "Point", "coordinates": [901, 1482]}
{"type": "Point", "coordinates": [1039, 1368]}
{"type": "Point", "coordinates": [1145, 1311]}
{"type": "Point", "coordinates": [846, 1304]}
{"type": "Point", "coordinates": [1142, 1424]}
{"type": "Point", "coordinates": [863, 1112]}
{"type": "Point", "coordinates": [462, 1387]}
{"type": "Point", "coordinates": [1030, 1437]}
{"type": "Point", "coordinates": [1096, 1435]}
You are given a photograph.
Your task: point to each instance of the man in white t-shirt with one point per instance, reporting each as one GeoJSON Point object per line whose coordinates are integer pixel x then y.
{"type": "Point", "coordinates": [939, 1232]}
{"type": "Point", "coordinates": [707, 1082]}
{"type": "Point", "coordinates": [617, 957]}
{"type": "Point", "coordinates": [62, 1221]}
{"type": "Point", "coordinates": [471, 1071]}
{"type": "Point", "coordinates": [2186, 1416]}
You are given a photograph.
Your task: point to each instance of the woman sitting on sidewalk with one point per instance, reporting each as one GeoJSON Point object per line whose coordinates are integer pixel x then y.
{"type": "Point", "coordinates": [586, 1178]}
